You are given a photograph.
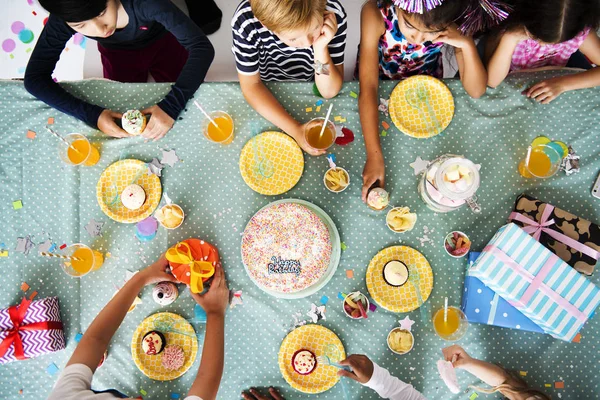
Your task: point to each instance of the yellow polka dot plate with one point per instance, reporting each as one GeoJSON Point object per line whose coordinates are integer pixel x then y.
{"type": "Point", "coordinates": [314, 338]}
{"type": "Point", "coordinates": [179, 333]}
{"type": "Point", "coordinates": [421, 106]}
{"type": "Point", "coordinates": [403, 298]}
{"type": "Point", "coordinates": [271, 163]}
{"type": "Point", "coordinates": [117, 177]}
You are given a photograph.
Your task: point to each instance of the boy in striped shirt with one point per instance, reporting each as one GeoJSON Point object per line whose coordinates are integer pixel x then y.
{"type": "Point", "coordinates": [288, 40]}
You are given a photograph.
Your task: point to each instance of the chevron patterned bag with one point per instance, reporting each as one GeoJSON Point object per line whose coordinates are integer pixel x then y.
{"type": "Point", "coordinates": [30, 329]}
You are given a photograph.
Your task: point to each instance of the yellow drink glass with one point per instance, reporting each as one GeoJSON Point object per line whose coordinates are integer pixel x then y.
{"type": "Point", "coordinates": [312, 134]}
{"type": "Point", "coordinates": [85, 260]}
{"type": "Point", "coordinates": [223, 131]}
{"type": "Point", "coordinates": [542, 161]}
{"type": "Point", "coordinates": [454, 327]}
{"type": "Point", "coordinates": [79, 151]}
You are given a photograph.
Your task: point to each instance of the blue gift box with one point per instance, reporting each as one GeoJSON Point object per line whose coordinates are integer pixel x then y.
{"type": "Point", "coordinates": [482, 305]}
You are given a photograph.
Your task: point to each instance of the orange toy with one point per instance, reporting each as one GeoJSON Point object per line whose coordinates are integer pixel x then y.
{"type": "Point", "coordinates": [193, 262]}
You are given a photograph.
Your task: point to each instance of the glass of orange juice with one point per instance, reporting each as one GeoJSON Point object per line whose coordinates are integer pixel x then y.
{"type": "Point", "coordinates": [541, 161]}
{"type": "Point", "coordinates": [453, 326]}
{"type": "Point", "coordinates": [221, 131]}
{"type": "Point", "coordinates": [313, 136]}
{"type": "Point", "coordinates": [83, 260]}
{"type": "Point", "coordinates": [77, 150]}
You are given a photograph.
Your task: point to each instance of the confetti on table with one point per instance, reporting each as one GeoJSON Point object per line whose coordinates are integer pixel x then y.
{"type": "Point", "coordinates": [169, 157]}
{"type": "Point", "coordinates": [324, 300]}
{"type": "Point", "coordinates": [319, 103]}
{"type": "Point", "coordinates": [309, 109]}
{"type": "Point", "coordinates": [577, 338]}
{"type": "Point", "coordinates": [523, 373]}
{"type": "Point", "coordinates": [342, 120]}
{"type": "Point", "coordinates": [24, 245]}
{"type": "Point", "coordinates": [51, 121]}
{"type": "Point", "coordinates": [94, 228]}
{"type": "Point", "coordinates": [78, 337]}
{"type": "Point", "coordinates": [63, 246]}
{"type": "Point", "coordinates": [28, 50]}
{"type": "Point", "coordinates": [548, 385]}
{"type": "Point", "coordinates": [559, 385]}
{"type": "Point", "coordinates": [12, 56]}
{"type": "Point", "coordinates": [419, 165]}
{"type": "Point", "coordinates": [384, 133]}
{"type": "Point", "coordinates": [316, 313]}
{"type": "Point", "coordinates": [343, 246]}
{"type": "Point", "coordinates": [337, 118]}
{"type": "Point", "coordinates": [34, 13]}
{"type": "Point", "coordinates": [45, 246]}
{"type": "Point", "coordinates": [353, 94]}
{"type": "Point", "coordinates": [318, 108]}
{"type": "Point", "coordinates": [175, 395]}
{"type": "Point", "coordinates": [31, 135]}
{"type": "Point", "coordinates": [143, 392]}
{"type": "Point", "coordinates": [17, 204]}
{"type": "Point", "coordinates": [52, 369]}
{"type": "Point", "coordinates": [349, 273]}
{"type": "Point", "coordinates": [384, 106]}
{"type": "Point", "coordinates": [3, 253]}
{"type": "Point", "coordinates": [385, 125]}
{"type": "Point", "coordinates": [473, 396]}
{"type": "Point", "coordinates": [406, 323]}
{"type": "Point", "coordinates": [24, 286]}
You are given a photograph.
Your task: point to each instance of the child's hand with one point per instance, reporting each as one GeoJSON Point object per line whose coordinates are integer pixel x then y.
{"type": "Point", "coordinates": [106, 123]}
{"type": "Point", "coordinates": [215, 301]}
{"type": "Point", "coordinates": [456, 355]}
{"type": "Point", "coordinates": [157, 272]}
{"type": "Point", "coordinates": [362, 368]}
{"type": "Point", "coordinates": [546, 91]}
{"type": "Point", "coordinates": [298, 135]}
{"type": "Point", "coordinates": [328, 31]}
{"type": "Point", "coordinates": [373, 173]}
{"type": "Point", "coordinates": [255, 395]}
{"type": "Point", "coordinates": [455, 38]}
{"type": "Point", "coordinates": [159, 124]}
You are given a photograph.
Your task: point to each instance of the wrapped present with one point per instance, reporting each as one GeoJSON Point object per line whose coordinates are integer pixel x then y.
{"type": "Point", "coordinates": [31, 329]}
{"type": "Point", "coordinates": [574, 239]}
{"type": "Point", "coordinates": [193, 262]}
{"type": "Point", "coordinates": [482, 305]}
{"type": "Point", "coordinates": [539, 284]}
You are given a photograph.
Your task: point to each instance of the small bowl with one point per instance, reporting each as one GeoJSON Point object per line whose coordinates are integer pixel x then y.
{"type": "Point", "coordinates": [325, 180]}
{"type": "Point", "coordinates": [362, 296]}
{"type": "Point", "coordinates": [451, 234]}
{"type": "Point", "coordinates": [175, 206]}
{"type": "Point", "coordinates": [393, 230]}
{"type": "Point", "coordinates": [403, 330]}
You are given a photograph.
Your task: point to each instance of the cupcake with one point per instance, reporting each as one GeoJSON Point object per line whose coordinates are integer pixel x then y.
{"type": "Point", "coordinates": [165, 293]}
{"type": "Point", "coordinates": [173, 358]}
{"type": "Point", "coordinates": [304, 362]}
{"type": "Point", "coordinates": [133, 197]}
{"type": "Point", "coordinates": [378, 199]}
{"type": "Point", "coordinates": [153, 343]}
{"type": "Point", "coordinates": [133, 122]}
{"type": "Point", "coordinates": [395, 273]}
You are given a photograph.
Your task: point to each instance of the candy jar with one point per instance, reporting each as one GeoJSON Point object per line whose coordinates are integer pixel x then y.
{"type": "Point", "coordinates": [449, 182]}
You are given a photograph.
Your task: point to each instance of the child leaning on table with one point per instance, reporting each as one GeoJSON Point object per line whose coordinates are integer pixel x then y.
{"type": "Point", "coordinates": [512, 387]}
{"type": "Point", "coordinates": [74, 383]}
{"type": "Point", "coordinates": [396, 44]}
{"type": "Point", "coordinates": [288, 40]}
{"type": "Point", "coordinates": [546, 34]}
{"type": "Point", "coordinates": [135, 37]}
{"type": "Point", "coordinates": [365, 372]}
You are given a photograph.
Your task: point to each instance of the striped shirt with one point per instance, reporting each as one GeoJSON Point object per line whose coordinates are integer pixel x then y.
{"type": "Point", "coordinates": [259, 50]}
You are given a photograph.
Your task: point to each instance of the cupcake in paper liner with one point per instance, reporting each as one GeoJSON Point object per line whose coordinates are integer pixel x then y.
{"type": "Point", "coordinates": [133, 122]}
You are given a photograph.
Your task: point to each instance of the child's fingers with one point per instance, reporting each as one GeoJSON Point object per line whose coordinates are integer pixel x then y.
{"type": "Point", "coordinates": [248, 396]}
{"type": "Point", "coordinates": [257, 395]}
{"type": "Point", "coordinates": [275, 394]}
{"type": "Point", "coordinates": [347, 374]}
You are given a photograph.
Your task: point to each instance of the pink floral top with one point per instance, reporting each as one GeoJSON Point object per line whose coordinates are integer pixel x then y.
{"type": "Point", "coordinates": [530, 54]}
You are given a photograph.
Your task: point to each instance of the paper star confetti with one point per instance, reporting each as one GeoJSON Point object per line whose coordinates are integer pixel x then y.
{"type": "Point", "coordinates": [155, 167]}
{"type": "Point", "coordinates": [384, 106]}
{"type": "Point", "coordinates": [24, 245]}
{"type": "Point", "coordinates": [94, 228]}
{"type": "Point", "coordinates": [45, 246]}
{"type": "Point", "coordinates": [419, 165]}
{"type": "Point", "coordinates": [316, 313]}
{"type": "Point", "coordinates": [169, 158]}
{"type": "Point", "coordinates": [406, 323]}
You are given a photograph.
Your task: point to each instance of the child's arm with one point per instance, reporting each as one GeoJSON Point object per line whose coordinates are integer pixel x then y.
{"type": "Point", "coordinates": [214, 302]}
{"type": "Point", "coordinates": [95, 340]}
{"type": "Point", "coordinates": [367, 373]}
{"type": "Point", "coordinates": [499, 64]}
{"type": "Point", "coordinates": [371, 29]}
{"type": "Point", "coordinates": [546, 91]}
{"type": "Point", "coordinates": [329, 85]}
{"type": "Point", "coordinates": [472, 72]}
{"type": "Point", "coordinates": [38, 81]}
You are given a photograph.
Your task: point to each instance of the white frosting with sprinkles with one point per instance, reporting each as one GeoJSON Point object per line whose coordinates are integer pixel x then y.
{"type": "Point", "coordinates": [286, 248]}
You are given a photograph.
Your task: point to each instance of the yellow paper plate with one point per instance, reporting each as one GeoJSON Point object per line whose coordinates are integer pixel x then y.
{"type": "Point", "coordinates": [117, 177]}
{"type": "Point", "coordinates": [271, 163]}
{"type": "Point", "coordinates": [415, 100]}
{"type": "Point", "coordinates": [314, 338]}
{"type": "Point", "coordinates": [151, 366]}
{"type": "Point", "coordinates": [404, 298]}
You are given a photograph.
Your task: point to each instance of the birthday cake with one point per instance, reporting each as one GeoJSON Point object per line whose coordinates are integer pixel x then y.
{"type": "Point", "coordinates": [286, 248]}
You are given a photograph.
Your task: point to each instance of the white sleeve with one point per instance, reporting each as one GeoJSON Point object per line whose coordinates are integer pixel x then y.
{"type": "Point", "coordinates": [192, 398]}
{"type": "Point", "coordinates": [390, 387]}
{"type": "Point", "coordinates": [75, 383]}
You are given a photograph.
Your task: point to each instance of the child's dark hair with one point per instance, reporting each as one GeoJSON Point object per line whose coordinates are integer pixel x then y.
{"type": "Point", "coordinates": [554, 21]}
{"type": "Point", "coordinates": [74, 10]}
{"type": "Point", "coordinates": [441, 16]}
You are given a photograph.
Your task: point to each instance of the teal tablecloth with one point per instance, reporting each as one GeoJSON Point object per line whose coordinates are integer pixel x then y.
{"type": "Point", "coordinates": [58, 201]}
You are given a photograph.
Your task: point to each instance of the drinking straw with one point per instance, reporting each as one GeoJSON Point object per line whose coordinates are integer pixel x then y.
{"type": "Point", "coordinates": [43, 253]}
{"type": "Point", "coordinates": [326, 120]}
{"type": "Point", "coordinates": [528, 155]}
{"type": "Point", "coordinates": [62, 139]}
{"type": "Point", "coordinates": [206, 114]}
{"type": "Point", "coordinates": [445, 310]}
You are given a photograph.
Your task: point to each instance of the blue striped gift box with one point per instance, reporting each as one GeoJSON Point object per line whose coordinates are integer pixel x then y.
{"type": "Point", "coordinates": [538, 283]}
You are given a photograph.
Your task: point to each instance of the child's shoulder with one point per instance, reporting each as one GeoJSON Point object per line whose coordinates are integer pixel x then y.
{"type": "Point", "coordinates": [243, 17]}
{"type": "Point", "coordinates": [336, 7]}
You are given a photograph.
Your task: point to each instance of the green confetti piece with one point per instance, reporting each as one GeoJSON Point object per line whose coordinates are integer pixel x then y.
{"type": "Point", "coordinates": [17, 205]}
{"type": "Point", "coordinates": [343, 246]}
{"type": "Point", "coordinates": [473, 396]}
{"type": "Point", "coordinates": [12, 56]}
{"type": "Point", "coordinates": [384, 133]}
{"type": "Point", "coordinates": [143, 392]}
{"type": "Point", "coordinates": [353, 94]}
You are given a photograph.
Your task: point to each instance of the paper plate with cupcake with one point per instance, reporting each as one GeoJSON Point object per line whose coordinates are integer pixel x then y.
{"type": "Point", "coordinates": [399, 279]}
{"type": "Point", "coordinates": [126, 193]}
{"type": "Point", "coordinates": [164, 346]}
{"type": "Point", "coordinates": [301, 358]}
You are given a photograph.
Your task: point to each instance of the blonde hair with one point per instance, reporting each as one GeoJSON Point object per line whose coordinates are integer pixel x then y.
{"type": "Point", "coordinates": [513, 386]}
{"type": "Point", "coordinates": [287, 15]}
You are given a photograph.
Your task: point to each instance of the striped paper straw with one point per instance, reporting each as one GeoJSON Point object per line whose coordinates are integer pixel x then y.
{"type": "Point", "coordinates": [43, 253]}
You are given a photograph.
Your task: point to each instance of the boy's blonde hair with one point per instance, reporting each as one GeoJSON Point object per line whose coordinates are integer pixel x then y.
{"type": "Point", "coordinates": [287, 15]}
